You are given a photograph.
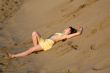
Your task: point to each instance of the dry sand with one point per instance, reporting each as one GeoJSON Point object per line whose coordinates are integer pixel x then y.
{"type": "Point", "coordinates": [88, 53]}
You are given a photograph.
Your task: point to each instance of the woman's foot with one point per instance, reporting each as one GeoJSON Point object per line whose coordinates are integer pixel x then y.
{"type": "Point", "coordinates": [10, 56]}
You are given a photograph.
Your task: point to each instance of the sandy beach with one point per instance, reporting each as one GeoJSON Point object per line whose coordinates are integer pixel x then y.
{"type": "Point", "coordinates": [88, 53]}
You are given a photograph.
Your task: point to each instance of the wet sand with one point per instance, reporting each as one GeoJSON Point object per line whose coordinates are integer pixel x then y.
{"type": "Point", "coordinates": [88, 53]}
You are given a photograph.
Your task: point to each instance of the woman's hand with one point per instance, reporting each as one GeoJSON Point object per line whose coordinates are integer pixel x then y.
{"type": "Point", "coordinates": [79, 29]}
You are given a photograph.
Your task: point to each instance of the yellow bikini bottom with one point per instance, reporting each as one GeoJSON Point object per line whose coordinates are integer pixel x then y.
{"type": "Point", "coordinates": [45, 44]}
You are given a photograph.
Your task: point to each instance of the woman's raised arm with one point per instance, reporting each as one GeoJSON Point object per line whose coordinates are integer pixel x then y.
{"type": "Point", "coordinates": [79, 31]}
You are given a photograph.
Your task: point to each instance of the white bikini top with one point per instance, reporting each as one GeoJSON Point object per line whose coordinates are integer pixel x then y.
{"type": "Point", "coordinates": [59, 33]}
{"type": "Point", "coordinates": [54, 34]}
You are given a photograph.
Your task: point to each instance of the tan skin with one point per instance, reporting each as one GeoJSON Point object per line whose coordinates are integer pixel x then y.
{"type": "Point", "coordinates": [55, 38]}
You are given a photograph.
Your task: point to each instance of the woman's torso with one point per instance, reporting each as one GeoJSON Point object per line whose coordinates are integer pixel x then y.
{"type": "Point", "coordinates": [55, 37]}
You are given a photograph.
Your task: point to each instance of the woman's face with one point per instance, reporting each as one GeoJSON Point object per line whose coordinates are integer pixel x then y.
{"type": "Point", "coordinates": [67, 31]}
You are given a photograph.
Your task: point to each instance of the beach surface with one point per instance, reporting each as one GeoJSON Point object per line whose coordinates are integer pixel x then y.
{"type": "Point", "coordinates": [87, 53]}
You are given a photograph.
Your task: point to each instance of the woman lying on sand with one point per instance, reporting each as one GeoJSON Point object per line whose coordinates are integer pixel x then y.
{"type": "Point", "coordinates": [46, 44]}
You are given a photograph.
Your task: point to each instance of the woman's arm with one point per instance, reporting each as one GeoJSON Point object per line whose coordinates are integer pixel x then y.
{"type": "Point", "coordinates": [79, 31]}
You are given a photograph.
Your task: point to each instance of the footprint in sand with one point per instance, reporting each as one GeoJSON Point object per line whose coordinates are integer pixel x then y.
{"type": "Point", "coordinates": [15, 44]}
{"type": "Point", "coordinates": [69, 71]}
{"type": "Point", "coordinates": [92, 47]}
{"type": "Point", "coordinates": [73, 46]}
{"type": "Point", "coordinates": [1, 67]}
{"type": "Point", "coordinates": [74, 13]}
{"type": "Point", "coordinates": [1, 28]}
{"type": "Point", "coordinates": [2, 9]}
{"type": "Point", "coordinates": [80, 8]}
{"type": "Point", "coordinates": [2, 64]}
{"type": "Point", "coordinates": [16, 2]}
{"type": "Point", "coordinates": [1, 71]}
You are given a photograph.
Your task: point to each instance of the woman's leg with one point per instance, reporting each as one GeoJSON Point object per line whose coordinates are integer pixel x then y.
{"type": "Point", "coordinates": [27, 52]}
{"type": "Point", "coordinates": [35, 37]}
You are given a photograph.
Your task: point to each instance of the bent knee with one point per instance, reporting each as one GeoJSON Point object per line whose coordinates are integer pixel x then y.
{"type": "Point", "coordinates": [34, 33]}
